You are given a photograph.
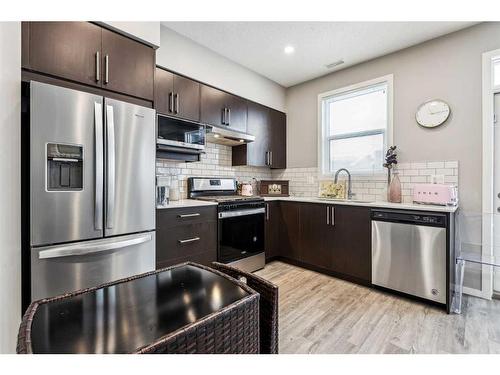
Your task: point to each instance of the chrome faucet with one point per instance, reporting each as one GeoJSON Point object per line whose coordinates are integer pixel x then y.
{"type": "Point", "coordinates": [350, 195]}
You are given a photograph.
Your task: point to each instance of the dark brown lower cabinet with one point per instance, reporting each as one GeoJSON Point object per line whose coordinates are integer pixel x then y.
{"type": "Point", "coordinates": [186, 234]}
{"type": "Point", "coordinates": [315, 235]}
{"type": "Point", "coordinates": [290, 230]}
{"type": "Point", "coordinates": [332, 238]}
{"type": "Point", "coordinates": [272, 230]}
{"type": "Point", "coordinates": [352, 242]}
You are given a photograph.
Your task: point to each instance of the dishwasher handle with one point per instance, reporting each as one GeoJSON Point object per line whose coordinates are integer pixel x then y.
{"type": "Point", "coordinates": [410, 217]}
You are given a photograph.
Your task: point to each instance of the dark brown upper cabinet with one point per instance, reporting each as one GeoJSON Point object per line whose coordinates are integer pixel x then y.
{"type": "Point", "coordinates": [220, 108]}
{"type": "Point", "coordinates": [86, 53]}
{"type": "Point", "coordinates": [212, 109]}
{"type": "Point", "coordinates": [128, 66]}
{"type": "Point", "coordinates": [237, 113]}
{"type": "Point", "coordinates": [255, 153]}
{"type": "Point", "coordinates": [269, 147]}
{"type": "Point", "coordinates": [177, 96]}
{"type": "Point", "coordinates": [277, 139]}
{"type": "Point", "coordinates": [69, 50]}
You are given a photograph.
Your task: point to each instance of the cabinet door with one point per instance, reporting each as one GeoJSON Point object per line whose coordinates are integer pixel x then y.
{"type": "Point", "coordinates": [315, 228]}
{"type": "Point", "coordinates": [255, 153]}
{"type": "Point", "coordinates": [237, 113]}
{"type": "Point", "coordinates": [278, 139]}
{"type": "Point", "coordinates": [212, 105]}
{"type": "Point", "coordinates": [65, 49]}
{"type": "Point", "coordinates": [273, 228]}
{"type": "Point", "coordinates": [128, 66]}
{"type": "Point", "coordinates": [352, 241]}
{"type": "Point", "coordinates": [289, 241]}
{"type": "Point", "coordinates": [164, 91]}
{"type": "Point", "coordinates": [186, 98]}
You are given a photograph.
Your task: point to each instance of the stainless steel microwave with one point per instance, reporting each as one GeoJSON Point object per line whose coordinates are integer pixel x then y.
{"type": "Point", "coordinates": [180, 133]}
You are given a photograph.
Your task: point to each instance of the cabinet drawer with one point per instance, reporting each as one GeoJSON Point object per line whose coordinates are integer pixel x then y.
{"type": "Point", "coordinates": [171, 217]}
{"type": "Point", "coordinates": [186, 241]}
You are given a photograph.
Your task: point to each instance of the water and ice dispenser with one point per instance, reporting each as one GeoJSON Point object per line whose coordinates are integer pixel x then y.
{"type": "Point", "coordinates": [64, 167]}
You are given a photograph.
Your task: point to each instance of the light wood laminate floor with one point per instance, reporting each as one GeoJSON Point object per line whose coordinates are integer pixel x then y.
{"type": "Point", "coordinates": [322, 314]}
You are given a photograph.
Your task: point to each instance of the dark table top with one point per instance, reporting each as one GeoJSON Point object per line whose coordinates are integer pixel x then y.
{"type": "Point", "coordinates": [124, 317]}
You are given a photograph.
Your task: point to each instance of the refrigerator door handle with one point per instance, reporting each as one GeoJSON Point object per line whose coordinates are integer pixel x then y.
{"type": "Point", "coordinates": [99, 166]}
{"type": "Point", "coordinates": [92, 247]}
{"type": "Point", "coordinates": [110, 172]}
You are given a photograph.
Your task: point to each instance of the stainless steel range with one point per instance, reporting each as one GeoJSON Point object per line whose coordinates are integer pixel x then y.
{"type": "Point", "coordinates": [240, 221]}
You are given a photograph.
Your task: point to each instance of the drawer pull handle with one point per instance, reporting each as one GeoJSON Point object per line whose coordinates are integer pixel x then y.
{"type": "Point", "coordinates": [187, 215]}
{"type": "Point", "coordinates": [194, 239]}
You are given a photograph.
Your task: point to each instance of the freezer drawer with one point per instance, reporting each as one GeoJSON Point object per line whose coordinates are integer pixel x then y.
{"type": "Point", "coordinates": [59, 269]}
{"type": "Point", "coordinates": [410, 258]}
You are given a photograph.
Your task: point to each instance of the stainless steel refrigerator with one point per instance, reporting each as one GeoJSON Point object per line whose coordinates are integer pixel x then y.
{"type": "Point", "coordinates": [92, 190]}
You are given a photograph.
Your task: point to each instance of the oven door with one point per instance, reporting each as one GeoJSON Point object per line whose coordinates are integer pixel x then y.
{"type": "Point", "coordinates": [241, 234]}
{"type": "Point", "coordinates": [174, 132]}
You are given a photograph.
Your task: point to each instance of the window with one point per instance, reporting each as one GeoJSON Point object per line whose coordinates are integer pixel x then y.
{"type": "Point", "coordinates": [496, 73]}
{"type": "Point", "coordinates": [355, 127]}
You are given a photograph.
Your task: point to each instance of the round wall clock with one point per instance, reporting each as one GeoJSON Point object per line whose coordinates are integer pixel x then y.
{"type": "Point", "coordinates": [432, 113]}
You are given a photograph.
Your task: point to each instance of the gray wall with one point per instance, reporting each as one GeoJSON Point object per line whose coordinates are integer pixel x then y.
{"type": "Point", "coordinates": [10, 185]}
{"type": "Point", "coordinates": [187, 57]}
{"type": "Point", "coordinates": [448, 68]}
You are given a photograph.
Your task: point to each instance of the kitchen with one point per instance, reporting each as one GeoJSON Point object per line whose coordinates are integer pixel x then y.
{"type": "Point", "coordinates": [181, 150]}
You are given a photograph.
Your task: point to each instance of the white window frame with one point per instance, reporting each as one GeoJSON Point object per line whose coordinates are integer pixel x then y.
{"type": "Point", "coordinates": [323, 141]}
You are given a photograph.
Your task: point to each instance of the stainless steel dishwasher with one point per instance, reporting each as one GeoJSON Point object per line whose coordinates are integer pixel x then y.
{"type": "Point", "coordinates": [409, 253]}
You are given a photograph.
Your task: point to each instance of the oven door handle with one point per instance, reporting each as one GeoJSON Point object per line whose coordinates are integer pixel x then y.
{"type": "Point", "coordinates": [253, 211]}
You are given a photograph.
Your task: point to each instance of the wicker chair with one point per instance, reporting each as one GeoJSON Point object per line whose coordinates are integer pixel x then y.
{"type": "Point", "coordinates": [268, 305]}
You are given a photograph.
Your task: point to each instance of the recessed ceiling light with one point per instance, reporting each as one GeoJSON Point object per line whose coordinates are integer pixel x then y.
{"type": "Point", "coordinates": [216, 135]}
{"type": "Point", "coordinates": [289, 50]}
{"type": "Point", "coordinates": [242, 141]}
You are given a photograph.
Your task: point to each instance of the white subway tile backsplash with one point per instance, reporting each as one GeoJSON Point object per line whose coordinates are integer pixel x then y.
{"type": "Point", "coordinates": [418, 165]}
{"type": "Point", "coordinates": [305, 181]}
{"type": "Point", "coordinates": [435, 164]}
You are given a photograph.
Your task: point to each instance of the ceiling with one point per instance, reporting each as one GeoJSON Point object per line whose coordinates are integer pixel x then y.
{"type": "Point", "coordinates": [259, 46]}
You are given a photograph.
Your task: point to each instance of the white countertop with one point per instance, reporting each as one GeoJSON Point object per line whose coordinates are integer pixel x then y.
{"type": "Point", "coordinates": [186, 203]}
{"type": "Point", "coordinates": [377, 204]}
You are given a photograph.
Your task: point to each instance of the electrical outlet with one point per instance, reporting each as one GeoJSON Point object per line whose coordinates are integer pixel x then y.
{"type": "Point", "coordinates": [437, 179]}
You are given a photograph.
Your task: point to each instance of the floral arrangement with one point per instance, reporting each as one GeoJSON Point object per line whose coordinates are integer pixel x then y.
{"type": "Point", "coordinates": [391, 159]}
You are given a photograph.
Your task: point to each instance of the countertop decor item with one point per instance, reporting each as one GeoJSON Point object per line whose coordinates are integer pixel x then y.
{"type": "Point", "coordinates": [394, 184]}
{"type": "Point", "coordinates": [174, 193]}
{"type": "Point", "coordinates": [245, 189]}
{"type": "Point", "coordinates": [330, 189]}
{"type": "Point", "coordinates": [274, 188]}
{"type": "Point", "coordinates": [394, 191]}
{"type": "Point", "coordinates": [432, 113]}
{"type": "Point", "coordinates": [186, 308]}
{"type": "Point", "coordinates": [391, 160]}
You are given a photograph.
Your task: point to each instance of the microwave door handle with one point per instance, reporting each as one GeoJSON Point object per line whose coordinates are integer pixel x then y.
{"type": "Point", "coordinates": [110, 171]}
{"type": "Point", "coordinates": [99, 167]}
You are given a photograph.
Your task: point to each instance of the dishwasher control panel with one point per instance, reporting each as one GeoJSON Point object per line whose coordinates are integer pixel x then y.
{"type": "Point", "coordinates": [437, 220]}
